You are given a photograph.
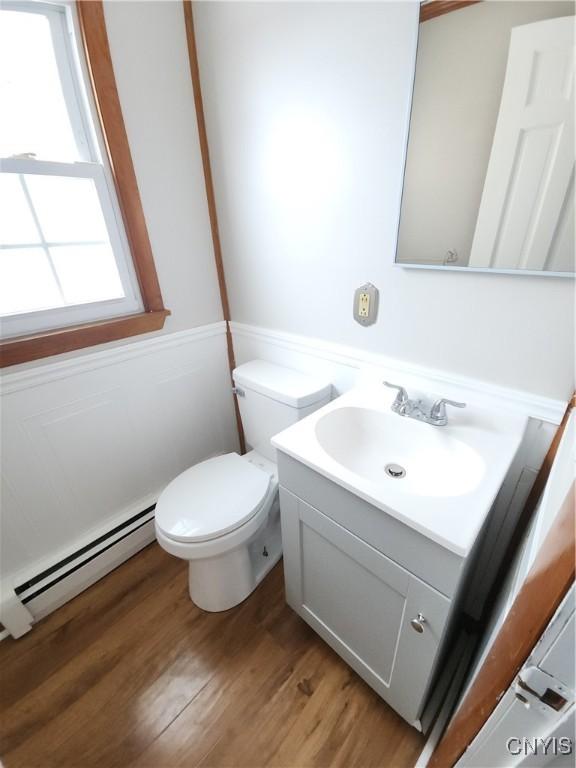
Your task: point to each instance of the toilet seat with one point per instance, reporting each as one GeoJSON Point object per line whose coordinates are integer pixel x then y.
{"type": "Point", "coordinates": [211, 499]}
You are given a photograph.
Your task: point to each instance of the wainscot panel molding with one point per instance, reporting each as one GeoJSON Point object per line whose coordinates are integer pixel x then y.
{"type": "Point", "coordinates": [347, 366]}
{"type": "Point", "coordinates": [91, 441]}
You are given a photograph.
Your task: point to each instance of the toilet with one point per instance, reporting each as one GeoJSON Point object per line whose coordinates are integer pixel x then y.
{"type": "Point", "coordinates": [223, 514]}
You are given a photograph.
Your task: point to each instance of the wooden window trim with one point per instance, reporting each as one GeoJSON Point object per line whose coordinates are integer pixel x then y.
{"type": "Point", "coordinates": [440, 7]}
{"type": "Point", "coordinates": [33, 347]}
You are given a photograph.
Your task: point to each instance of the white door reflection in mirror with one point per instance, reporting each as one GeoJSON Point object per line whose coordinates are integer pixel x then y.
{"type": "Point", "coordinates": [526, 216]}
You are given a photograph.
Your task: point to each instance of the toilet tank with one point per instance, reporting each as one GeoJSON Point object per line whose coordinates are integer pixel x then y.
{"type": "Point", "coordinates": [272, 397]}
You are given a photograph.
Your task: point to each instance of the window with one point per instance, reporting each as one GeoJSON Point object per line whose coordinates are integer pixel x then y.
{"type": "Point", "coordinates": [65, 257]}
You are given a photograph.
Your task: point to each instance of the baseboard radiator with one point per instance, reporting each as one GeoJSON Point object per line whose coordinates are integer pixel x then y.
{"type": "Point", "coordinates": [26, 602]}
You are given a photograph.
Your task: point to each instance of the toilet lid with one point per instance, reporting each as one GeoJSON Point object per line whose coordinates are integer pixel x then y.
{"type": "Point", "coordinates": [211, 498]}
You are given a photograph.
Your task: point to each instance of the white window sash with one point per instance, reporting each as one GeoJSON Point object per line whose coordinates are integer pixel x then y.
{"type": "Point", "coordinates": [72, 89]}
{"type": "Point", "coordinates": [29, 322]}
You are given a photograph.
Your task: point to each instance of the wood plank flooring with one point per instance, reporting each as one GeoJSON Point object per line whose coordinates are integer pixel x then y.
{"type": "Point", "coordinates": [132, 674]}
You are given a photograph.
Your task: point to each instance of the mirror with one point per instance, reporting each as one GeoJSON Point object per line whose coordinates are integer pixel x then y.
{"type": "Point", "coordinates": [489, 175]}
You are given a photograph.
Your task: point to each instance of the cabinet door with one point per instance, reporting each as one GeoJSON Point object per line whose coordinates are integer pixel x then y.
{"type": "Point", "coordinates": [362, 604]}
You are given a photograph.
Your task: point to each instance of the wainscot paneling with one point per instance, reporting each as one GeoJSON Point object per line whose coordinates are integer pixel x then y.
{"type": "Point", "coordinates": [347, 366]}
{"type": "Point", "coordinates": [91, 441]}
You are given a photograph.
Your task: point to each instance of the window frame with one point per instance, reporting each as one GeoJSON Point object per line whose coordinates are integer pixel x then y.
{"type": "Point", "coordinates": [97, 68]}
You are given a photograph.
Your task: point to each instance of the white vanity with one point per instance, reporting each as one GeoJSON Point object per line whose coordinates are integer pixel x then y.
{"type": "Point", "coordinates": [380, 516]}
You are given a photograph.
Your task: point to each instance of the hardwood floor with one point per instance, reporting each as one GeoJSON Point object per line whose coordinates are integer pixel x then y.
{"type": "Point", "coordinates": [131, 674]}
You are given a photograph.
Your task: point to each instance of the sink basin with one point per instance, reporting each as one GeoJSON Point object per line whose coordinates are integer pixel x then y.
{"type": "Point", "coordinates": [367, 441]}
{"type": "Point", "coordinates": [441, 481]}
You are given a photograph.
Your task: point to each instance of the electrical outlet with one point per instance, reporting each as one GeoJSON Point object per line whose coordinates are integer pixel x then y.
{"type": "Point", "coordinates": [366, 304]}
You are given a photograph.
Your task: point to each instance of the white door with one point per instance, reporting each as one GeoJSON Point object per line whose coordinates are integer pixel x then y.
{"type": "Point", "coordinates": [525, 219]}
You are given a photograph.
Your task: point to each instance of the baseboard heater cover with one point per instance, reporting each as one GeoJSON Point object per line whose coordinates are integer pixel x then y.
{"type": "Point", "coordinates": [47, 590]}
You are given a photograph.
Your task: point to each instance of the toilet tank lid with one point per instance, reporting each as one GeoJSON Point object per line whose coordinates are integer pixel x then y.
{"type": "Point", "coordinates": [282, 384]}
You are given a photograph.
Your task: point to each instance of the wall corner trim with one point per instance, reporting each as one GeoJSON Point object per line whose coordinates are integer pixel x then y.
{"type": "Point", "coordinates": [210, 196]}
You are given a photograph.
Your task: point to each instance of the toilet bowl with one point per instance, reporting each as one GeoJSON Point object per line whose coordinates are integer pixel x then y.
{"type": "Point", "coordinates": [223, 514]}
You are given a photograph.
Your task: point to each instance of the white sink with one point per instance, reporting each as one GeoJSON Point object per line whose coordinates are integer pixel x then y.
{"type": "Point", "coordinates": [440, 481]}
{"type": "Point", "coordinates": [366, 441]}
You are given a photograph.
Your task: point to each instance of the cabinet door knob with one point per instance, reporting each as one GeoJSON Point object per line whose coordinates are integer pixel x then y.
{"type": "Point", "coordinates": [418, 623]}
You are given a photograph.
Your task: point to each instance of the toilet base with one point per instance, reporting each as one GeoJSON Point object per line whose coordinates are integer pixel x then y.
{"type": "Point", "coordinates": [221, 582]}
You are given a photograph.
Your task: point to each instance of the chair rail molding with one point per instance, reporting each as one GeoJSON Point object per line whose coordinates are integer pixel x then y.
{"type": "Point", "coordinates": [347, 364]}
{"type": "Point", "coordinates": [37, 374]}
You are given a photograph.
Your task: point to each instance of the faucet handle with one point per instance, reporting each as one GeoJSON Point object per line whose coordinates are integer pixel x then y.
{"type": "Point", "coordinates": [402, 396]}
{"type": "Point", "coordinates": [438, 410]}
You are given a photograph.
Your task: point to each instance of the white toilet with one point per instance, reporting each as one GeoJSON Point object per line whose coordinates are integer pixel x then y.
{"type": "Point", "coordinates": [223, 515]}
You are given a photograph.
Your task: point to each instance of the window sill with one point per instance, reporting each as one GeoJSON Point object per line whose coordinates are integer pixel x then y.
{"type": "Point", "coordinates": [23, 349]}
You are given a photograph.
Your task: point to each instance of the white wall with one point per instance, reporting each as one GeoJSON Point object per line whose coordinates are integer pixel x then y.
{"type": "Point", "coordinates": [307, 109]}
{"type": "Point", "coordinates": [457, 95]}
{"type": "Point", "coordinates": [150, 58]}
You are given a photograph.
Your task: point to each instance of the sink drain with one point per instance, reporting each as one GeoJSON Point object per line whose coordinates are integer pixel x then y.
{"type": "Point", "coordinates": [395, 471]}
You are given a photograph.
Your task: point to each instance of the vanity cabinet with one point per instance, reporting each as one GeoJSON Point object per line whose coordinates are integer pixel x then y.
{"type": "Point", "coordinates": [384, 621]}
{"type": "Point", "coordinates": [378, 563]}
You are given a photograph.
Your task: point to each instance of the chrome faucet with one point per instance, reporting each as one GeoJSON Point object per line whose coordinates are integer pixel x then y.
{"type": "Point", "coordinates": [417, 409]}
